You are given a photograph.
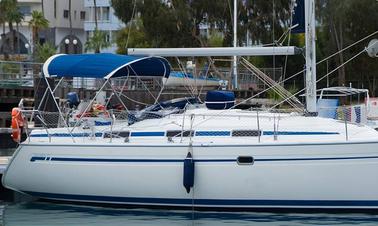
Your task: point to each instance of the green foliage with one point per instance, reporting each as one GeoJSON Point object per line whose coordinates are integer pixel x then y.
{"type": "Point", "coordinates": [124, 9]}
{"type": "Point", "coordinates": [175, 24]}
{"type": "Point", "coordinates": [38, 21]}
{"type": "Point", "coordinates": [9, 13]}
{"type": "Point", "coordinates": [132, 36]}
{"type": "Point", "coordinates": [44, 51]}
{"type": "Point", "coordinates": [10, 68]}
{"type": "Point", "coordinates": [215, 39]}
{"type": "Point", "coordinates": [8, 10]}
{"type": "Point", "coordinates": [340, 23]}
{"type": "Point", "coordinates": [97, 42]}
{"type": "Point", "coordinates": [343, 23]}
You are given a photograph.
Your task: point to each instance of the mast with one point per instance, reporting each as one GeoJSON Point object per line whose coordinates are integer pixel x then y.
{"type": "Point", "coordinates": [310, 57]}
{"type": "Point", "coordinates": [235, 69]}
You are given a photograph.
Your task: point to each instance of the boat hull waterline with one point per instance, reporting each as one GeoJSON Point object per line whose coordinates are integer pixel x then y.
{"type": "Point", "coordinates": [327, 175]}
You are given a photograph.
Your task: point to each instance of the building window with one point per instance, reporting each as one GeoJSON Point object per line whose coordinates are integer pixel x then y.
{"type": "Point", "coordinates": [55, 9]}
{"type": "Point", "coordinates": [25, 10]}
{"type": "Point", "coordinates": [82, 15]}
{"type": "Point", "coordinates": [105, 13]}
{"type": "Point", "coordinates": [65, 13]}
{"type": "Point", "coordinates": [98, 13]}
{"type": "Point", "coordinates": [75, 15]}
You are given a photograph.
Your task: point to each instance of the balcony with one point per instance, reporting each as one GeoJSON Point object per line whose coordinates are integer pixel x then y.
{"type": "Point", "coordinates": [29, 1]}
{"type": "Point", "coordinates": [99, 3]}
{"type": "Point", "coordinates": [103, 25]}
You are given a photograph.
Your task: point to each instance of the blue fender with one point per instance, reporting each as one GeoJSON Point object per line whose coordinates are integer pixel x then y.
{"type": "Point", "coordinates": [188, 181]}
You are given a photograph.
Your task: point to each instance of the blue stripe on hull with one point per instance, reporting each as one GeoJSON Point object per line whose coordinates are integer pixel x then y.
{"type": "Point", "coordinates": [211, 202]}
{"type": "Point", "coordinates": [76, 159]}
{"type": "Point", "coordinates": [197, 133]}
{"type": "Point", "coordinates": [298, 133]}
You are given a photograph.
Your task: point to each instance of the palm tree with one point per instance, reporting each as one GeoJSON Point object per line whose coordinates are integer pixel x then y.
{"type": "Point", "coordinates": [3, 21]}
{"type": "Point", "coordinates": [44, 51]}
{"type": "Point", "coordinates": [97, 41]}
{"type": "Point", "coordinates": [37, 23]}
{"type": "Point", "coordinates": [18, 18]}
{"type": "Point", "coordinates": [95, 12]}
{"type": "Point", "coordinates": [43, 8]}
{"type": "Point", "coordinates": [69, 16]}
{"type": "Point", "coordinates": [11, 14]}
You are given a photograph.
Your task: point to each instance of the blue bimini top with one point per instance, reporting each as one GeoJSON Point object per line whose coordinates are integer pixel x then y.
{"type": "Point", "coordinates": [105, 65]}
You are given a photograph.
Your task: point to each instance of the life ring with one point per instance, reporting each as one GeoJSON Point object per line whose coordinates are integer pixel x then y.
{"type": "Point", "coordinates": [17, 124]}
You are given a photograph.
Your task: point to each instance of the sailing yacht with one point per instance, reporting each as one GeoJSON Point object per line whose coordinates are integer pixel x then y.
{"type": "Point", "coordinates": [208, 155]}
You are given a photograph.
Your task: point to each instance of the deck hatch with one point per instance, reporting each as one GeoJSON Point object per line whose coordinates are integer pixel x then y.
{"type": "Point", "coordinates": [246, 133]}
{"type": "Point", "coordinates": [116, 134]}
{"type": "Point", "coordinates": [177, 133]}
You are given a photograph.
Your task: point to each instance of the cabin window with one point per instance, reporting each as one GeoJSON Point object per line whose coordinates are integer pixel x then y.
{"type": "Point", "coordinates": [117, 134]}
{"type": "Point", "coordinates": [246, 133]}
{"type": "Point", "coordinates": [177, 133]}
{"type": "Point", "coordinates": [245, 160]}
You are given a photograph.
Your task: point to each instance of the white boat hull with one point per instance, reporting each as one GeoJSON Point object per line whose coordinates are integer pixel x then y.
{"type": "Point", "coordinates": [188, 81]}
{"type": "Point", "coordinates": [328, 175]}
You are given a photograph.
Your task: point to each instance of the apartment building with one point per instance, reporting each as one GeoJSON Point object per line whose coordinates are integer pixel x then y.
{"type": "Point", "coordinates": [66, 38]}
{"type": "Point", "coordinates": [106, 21]}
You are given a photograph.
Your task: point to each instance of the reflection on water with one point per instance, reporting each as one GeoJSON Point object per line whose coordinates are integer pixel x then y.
{"type": "Point", "coordinates": [39, 213]}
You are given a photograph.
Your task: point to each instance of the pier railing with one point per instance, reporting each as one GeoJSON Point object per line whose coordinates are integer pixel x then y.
{"type": "Point", "coordinates": [18, 73]}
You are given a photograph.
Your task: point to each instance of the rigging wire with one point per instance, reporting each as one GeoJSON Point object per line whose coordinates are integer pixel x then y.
{"type": "Point", "coordinates": [292, 76]}
{"type": "Point", "coordinates": [326, 75]}
{"type": "Point", "coordinates": [188, 87]}
{"type": "Point", "coordinates": [274, 56]}
{"type": "Point", "coordinates": [133, 100]}
{"type": "Point", "coordinates": [206, 76]}
{"type": "Point", "coordinates": [289, 37]}
{"type": "Point", "coordinates": [131, 23]}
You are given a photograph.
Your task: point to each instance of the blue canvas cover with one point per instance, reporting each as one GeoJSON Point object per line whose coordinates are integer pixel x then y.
{"type": "Point", "coordinates": [104, 65]}
{"type": "Point", "coordinates": [299, 17]}
{"type": "Point", "coordinates": [219, 99]}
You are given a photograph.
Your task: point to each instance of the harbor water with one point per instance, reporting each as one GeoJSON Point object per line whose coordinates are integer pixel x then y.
{"type": "Point", "coordinates": [41, 213]}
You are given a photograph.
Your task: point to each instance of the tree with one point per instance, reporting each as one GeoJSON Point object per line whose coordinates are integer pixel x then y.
{"type": "Point", "coordinates": [97, 42]}
{"type": "Point", "coordinates": [3, 20]}
{"type": "Point", "coordinates": [11, 15]}
{"type": "Point", "coordinates": [37, 23]}
{"type": "Point", "coordinates": [177, 23]}
{"type": "Point", "coordinates": [341, 25]}
{"type": "Point", "coordinates": [174, 24]}
{"type": "Point", "coordinates": [70, 15]}
{"type": "Point", "coordinates": [44, 51]}
{"type": "Point", "coordinates": [131, 37]}
{"type": "Point", "coordinates": [18, 18]}
{"type": "Point", "coordinates": [95, 12]}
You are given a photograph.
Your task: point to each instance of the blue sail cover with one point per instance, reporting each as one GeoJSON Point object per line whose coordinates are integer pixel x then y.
{"type": "Point", "coordinates": [299, 17]}
{"type": "Point", "coordinates": [104, 65]}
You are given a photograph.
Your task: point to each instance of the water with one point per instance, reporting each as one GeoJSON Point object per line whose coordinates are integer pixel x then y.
{"type": "Point", "coordinates": [40, 213]}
